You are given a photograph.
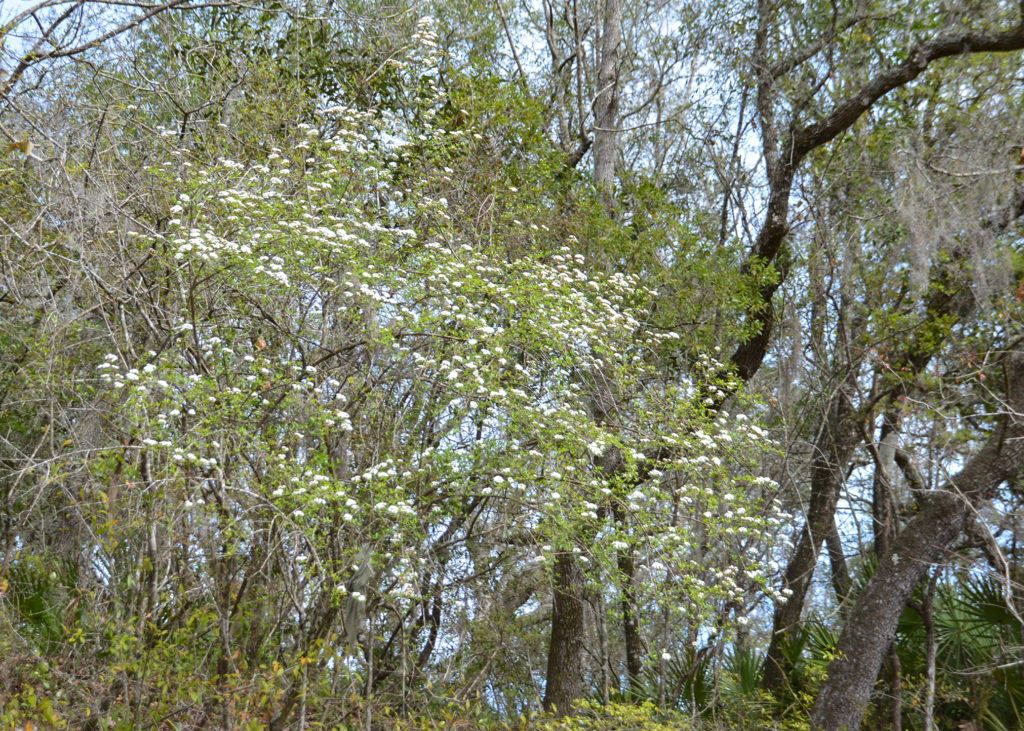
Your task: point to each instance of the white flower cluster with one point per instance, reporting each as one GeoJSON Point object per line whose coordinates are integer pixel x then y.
{"type": "Point", "coordinates": [451, 375]}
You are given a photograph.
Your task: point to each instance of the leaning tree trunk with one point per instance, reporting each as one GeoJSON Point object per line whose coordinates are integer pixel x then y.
{"type": "Point", "coordinates": [871, 628]}
{"type": "Point", "coordinates": [871, 624]}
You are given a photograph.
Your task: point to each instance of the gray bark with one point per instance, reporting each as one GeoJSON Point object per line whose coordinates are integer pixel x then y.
{"type": "Point", "coordinates": [606, 105]}
{"type": "Point", "coordinates": [883, 500]}
{"type": "Point", "coordinates": [929, 629]}
{"type": "Point", "coordinates": [871, 626]}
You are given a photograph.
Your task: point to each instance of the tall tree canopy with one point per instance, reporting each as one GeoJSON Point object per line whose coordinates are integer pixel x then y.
{"type": "Point", "coordinates": [398, 365]}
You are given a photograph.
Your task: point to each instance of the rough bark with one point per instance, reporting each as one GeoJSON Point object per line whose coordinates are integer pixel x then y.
{"type": "Point", "coordinates": [565, 650]}
{"type": "Point", "coordinates": [871, 624]}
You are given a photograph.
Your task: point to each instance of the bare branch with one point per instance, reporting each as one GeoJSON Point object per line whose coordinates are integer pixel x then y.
{"type": "Point", "coordinates": [34, 57]}
{"type": "Point", "coordinates": [783, 67]}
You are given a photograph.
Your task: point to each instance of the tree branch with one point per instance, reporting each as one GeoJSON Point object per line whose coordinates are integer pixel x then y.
{"type": "Point", "coordinates": [919, 58]}
{"type": "Point", "coordinates": [872, 622]}
{"type": "Point", "coordinates": [782, 162]}
{"type": "Point", "coordinates": [33, 57]}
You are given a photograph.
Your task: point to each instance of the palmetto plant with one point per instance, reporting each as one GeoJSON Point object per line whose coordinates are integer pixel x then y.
{"type": "Point", "coordinates": [39, 590]}
{"type": "Point", "coordinates": [979, 651]}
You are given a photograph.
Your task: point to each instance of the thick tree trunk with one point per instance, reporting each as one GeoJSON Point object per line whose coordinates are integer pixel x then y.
{"type": "Point", "coordinates": [872, 621]}
{"type": "Point", "coordinates": [565, 651]}
{"type": "Point", "coordinates": [871, 626]}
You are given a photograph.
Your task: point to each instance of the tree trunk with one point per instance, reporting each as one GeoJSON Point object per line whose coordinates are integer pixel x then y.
{"type": "Point", "coordinates": [596, 600]}
{"type": "Point", "coordinates": [841, 581]}
{"type": "Point", "coordinates": [565, 651]}
{"type": "Point", "coordinates": [883, 515]}
{"type": "Point", "coordinates": [871, 626]}
{"type": "Point", "coordinates": [883, 500]}
{"type": "Point", "coordinates": [896, 712]}
{"type": "Point", "coordinates": [606, 105]}
{"type": "Point", "coordinates": [929, 650]}
{"type": "Point", "coordinates": [833, 450]}
{"type": "Point", "coordinates": [630, 625]}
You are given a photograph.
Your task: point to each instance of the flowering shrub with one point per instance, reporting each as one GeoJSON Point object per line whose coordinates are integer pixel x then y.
{"type": "Point", "coordinates": [326, 361]}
